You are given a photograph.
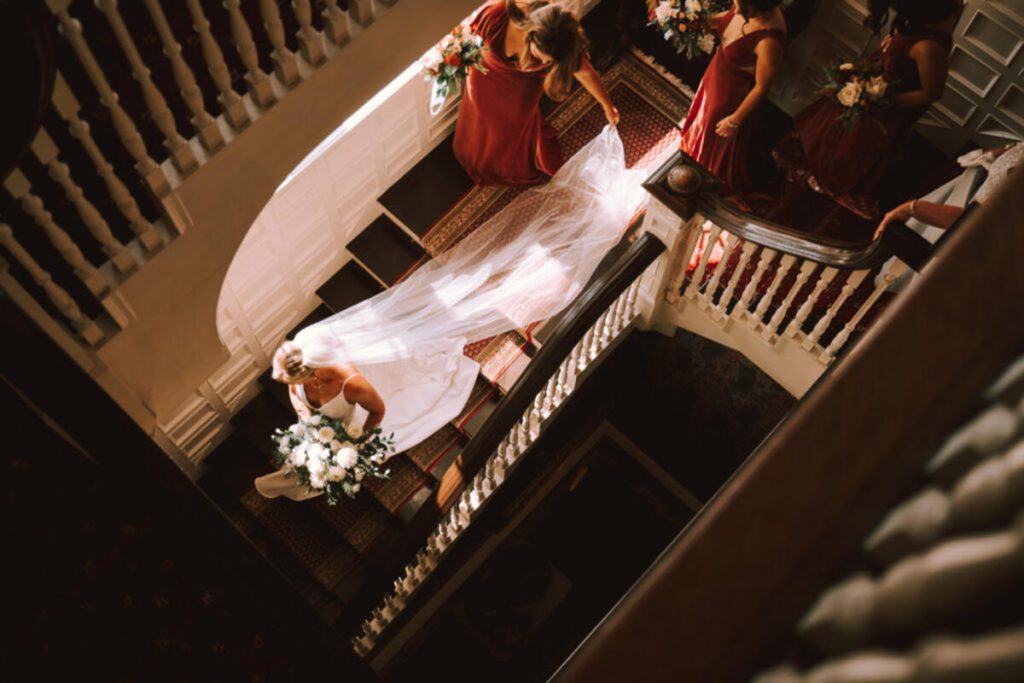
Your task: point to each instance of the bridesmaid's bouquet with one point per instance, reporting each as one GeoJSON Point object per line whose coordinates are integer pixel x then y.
{"type": "Point", "coordinates": [686, 24]}
{"type": "Point", "coordinates": [858, 89]}
{"type": "Point", "coordinates": [448, 63]}
{"type": "Point", "coordinates": [330, 458]}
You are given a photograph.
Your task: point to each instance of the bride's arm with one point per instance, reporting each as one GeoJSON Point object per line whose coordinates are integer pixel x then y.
{"type": "Point", "coordinates": [362, 393]}
{"type": "Point", "coordinates": [301, 409]}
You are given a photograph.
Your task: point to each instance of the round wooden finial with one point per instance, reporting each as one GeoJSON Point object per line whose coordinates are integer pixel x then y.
{"type": "Point", "coordinates": [684, 180]}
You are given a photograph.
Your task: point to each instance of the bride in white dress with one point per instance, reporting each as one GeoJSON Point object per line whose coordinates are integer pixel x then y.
{"type": "Point", "coordinates": [337, 392]}
{"type": "Point", "coordinates": [524, 264]}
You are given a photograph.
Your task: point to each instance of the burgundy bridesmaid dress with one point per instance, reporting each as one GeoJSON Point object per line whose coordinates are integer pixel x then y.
{"type": "Point", "coordinates": [848, 165]}
{"type": "Point", "coordinates": [501, 137]}
{"type": "Point", "coordinates": [724, 86]}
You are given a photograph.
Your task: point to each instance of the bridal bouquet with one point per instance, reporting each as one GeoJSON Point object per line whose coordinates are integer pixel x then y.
{"type": "Point", "coordinates": [331, 458]}
{"type": "Point", "coordinates": [449, 62]}
{"type": "Point", "coordinates": [859, 90]}
{"type": "Point", "coordinates": [686, 24]}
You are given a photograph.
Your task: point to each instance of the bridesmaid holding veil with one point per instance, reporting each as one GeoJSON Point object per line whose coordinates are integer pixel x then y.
{"type": "Point", "coordinates": [720, 124]}
{"type": "Point", "coordinates": [532, 49]}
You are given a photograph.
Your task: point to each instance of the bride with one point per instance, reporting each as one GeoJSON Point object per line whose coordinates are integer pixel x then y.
{"type": "Point", "coordinates": [524, 264]}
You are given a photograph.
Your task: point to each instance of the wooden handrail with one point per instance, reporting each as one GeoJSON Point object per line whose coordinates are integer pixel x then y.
{"type": "Point", "coordinates": [597, 296]}
{"type": "Point", "coordinates": [898, 240]}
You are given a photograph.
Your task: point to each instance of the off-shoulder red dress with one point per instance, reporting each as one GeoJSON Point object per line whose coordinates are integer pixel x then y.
{"type": "Point", "coordinates": [501, 137]}
{"type": "Point", "coordinates": [726, 83]}
{"type": "Point", "coordinates": [848, 165]}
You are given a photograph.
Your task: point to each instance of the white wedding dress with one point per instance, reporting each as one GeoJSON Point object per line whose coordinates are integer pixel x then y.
{"type": "Point", "coordinates": [526, 263]}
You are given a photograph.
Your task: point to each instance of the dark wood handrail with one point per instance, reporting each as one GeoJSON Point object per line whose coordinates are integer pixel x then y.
{"type": "Point", "coordinates": [578, 318]}
{"type": "Point", "coordinates": [898, 240]}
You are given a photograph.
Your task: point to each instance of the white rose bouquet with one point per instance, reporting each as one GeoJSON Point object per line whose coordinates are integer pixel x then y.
{"type": "Point", "coordinates": [686, 24]}
{"type": "Point", "coordinates": [331, 458]}
{"type": "Point", "coordinates": [858, 89]}
{"type": "Point", "coordinates": [448, 63]}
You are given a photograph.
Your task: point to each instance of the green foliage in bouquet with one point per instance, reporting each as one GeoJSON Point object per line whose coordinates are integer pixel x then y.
{"type": "Point", "coordinates": [330, 458]}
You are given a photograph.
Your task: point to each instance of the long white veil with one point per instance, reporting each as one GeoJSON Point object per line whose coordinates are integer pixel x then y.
{"type": "Point", "coordinates": [525, 264]}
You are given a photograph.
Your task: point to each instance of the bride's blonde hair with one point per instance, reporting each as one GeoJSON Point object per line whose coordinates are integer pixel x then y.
{"type": "Point", "coordinates": [556, 33]}
{"type": "Point", "coordinates": [289, 365]}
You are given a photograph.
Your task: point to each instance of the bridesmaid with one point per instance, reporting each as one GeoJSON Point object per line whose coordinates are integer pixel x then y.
{"type": "Point", "coordinates": [848, 165]}
{"type": "Point", "coordinates": [533, 49]}
{"type": "Point", "coordinates": [718, 128]}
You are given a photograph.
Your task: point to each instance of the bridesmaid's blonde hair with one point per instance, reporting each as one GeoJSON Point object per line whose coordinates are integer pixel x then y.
{"type": "Point", "coordinates": [555, 32]}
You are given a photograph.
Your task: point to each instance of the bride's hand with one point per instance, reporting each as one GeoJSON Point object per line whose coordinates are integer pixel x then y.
{"type": "Point", "coordinates": [612, 114]}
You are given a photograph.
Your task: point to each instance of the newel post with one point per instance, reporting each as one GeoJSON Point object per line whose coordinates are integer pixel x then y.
{"type": "Point", "coordinates": [671, 217]}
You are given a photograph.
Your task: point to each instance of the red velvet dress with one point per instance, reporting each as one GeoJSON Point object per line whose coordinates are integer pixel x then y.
{"type": "Point", "coordinates": [501, 137]}
{"type": "Point", "coordinates": [724, 86]}
{"type": "Point", "coordinates": [848, 165]}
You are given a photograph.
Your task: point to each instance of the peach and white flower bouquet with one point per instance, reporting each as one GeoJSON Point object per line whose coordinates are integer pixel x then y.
{"type": "Point", "coordinates": [331, 458]}
{"type": "Point", "coordinates": [686, 24]}
{"type": "Point", "coordinates": [447, 64]}
{"type": "Point", "coordinates": [858, 89]}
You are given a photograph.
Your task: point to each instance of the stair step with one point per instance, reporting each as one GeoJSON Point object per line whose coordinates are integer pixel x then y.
{"type": "Point", "coordinates": [427, 453]}
{"type": "Point", "coordinates": [256, 422]}
{"type": "Point", "coordinates": [284, 561]}
{"type": "Point", "coordinates": [360, 520]}
{"type": "Point", "coordinates": [386, 250]}
{"type": "Point", "coordinates": [483, 401]}
{"type": "Point", "coordinates": [508, 378]}
{"type": "Point", "coordinates": [405, 481]}
{"type": "Point", "coordinates": [350, 285]}
{"type": "Point", "coordinates": [501, 353]}
{"type": "Point", "coordinates": [306, 536]}
{"type": "Point", "coordinates": [428, 190]}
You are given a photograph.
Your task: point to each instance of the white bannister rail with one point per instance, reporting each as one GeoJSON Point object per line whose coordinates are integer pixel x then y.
{"type": "Point", "coordinates": [610, 326]}
{"type": "Point", "coordinates": [790, 313]}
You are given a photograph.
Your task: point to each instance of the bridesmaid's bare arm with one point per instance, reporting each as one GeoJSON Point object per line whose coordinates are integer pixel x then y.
{"type": "Point", "coordinates": [589, 79]}
{"type": "Point", "coordinates": [932, 68]}
{"type": "Point", "coordinates": [769, 57]}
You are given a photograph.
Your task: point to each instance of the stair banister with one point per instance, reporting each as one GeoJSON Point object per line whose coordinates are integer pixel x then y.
{"type": "Point", "coordinates": [483, 473]}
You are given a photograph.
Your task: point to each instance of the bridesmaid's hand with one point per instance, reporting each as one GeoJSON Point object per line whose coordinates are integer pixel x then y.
{"type": "Point", "coordinates": [726, 127]}
{"type": "Point", "coordinates": [901, 213]}
{"type": "Point", "coordinates": [612, 114]}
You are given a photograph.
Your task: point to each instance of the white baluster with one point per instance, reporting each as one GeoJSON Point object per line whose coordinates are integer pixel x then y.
{"type": "Point", "coordinates": [890, 275]}
{"type": "Point", "coordinates": [694, 288]}
{"type": "Point", "coordinates": [549, 401]}
{"type": "Point", "coordinates": [722, 310]}
{"type": "Point", "coordinates": [335, 23]}
{"type": "Point", "coordinates": [129, 135]}
{"type": "Point", "coordinates": [20, 188]}
{"type": "Point", "coordinates": [259, 83]}
{"type": "Point", "coordinates": [230, 103]}
{"type": "Point", "coordinates": [181, 154]}
{"type": "Point", "coordinates": [707, 296]}
{"type": "Point", "coordinates": [796, 324]}
{"type": "Point", "coordinates": [206, 128]}
{"type": "Point", "coordinates": [802, 276]}
{"type": "Point", "coordinates": [852, 282]}
{"type": "Point", "coordinates": [785, 265]}
{"type": "Point", "coordinates": [67, 106]}
{"type": "Point", "coordinates": [743, 305]}
{"type": "Point", "coordinates": [311, 44]}
{"type": "Point", "coordinates": [361, 11]}
{"type": "Point", "coordinates": [285, 65]}
{"type": "Point", "coordinates": [585, 343]}
{"type": "Point", "coordinates": [57, 295]}
{"type": "Point", "coordinates": [45, 150]}
{"type": "Point", "coordinates": [633, 299]}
